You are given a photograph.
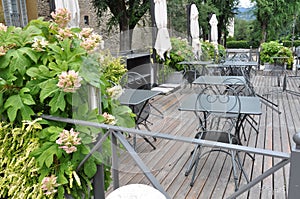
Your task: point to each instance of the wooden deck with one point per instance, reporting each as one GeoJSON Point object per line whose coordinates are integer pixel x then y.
{"type": "Point", "coordinates": [214, 179]}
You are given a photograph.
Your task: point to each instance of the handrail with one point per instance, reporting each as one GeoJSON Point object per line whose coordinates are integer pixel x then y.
{"type": "Point", "coordinates": [115, 131]}
{"type": "Point", "coordinates": [207, 143]}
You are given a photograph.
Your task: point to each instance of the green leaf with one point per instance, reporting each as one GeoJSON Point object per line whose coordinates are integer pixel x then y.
{"type": "Point", "coordinates": [19, 62]}
{"type": "Point", "coordinates": [60, 191]}
{"type": "Point", "coordinates": [90, 168]}
{"type": "Point", "coordinates": [49, 161]}
{"type": "Point", "coordinates": [5, 60]}
{"type": "Point", "coordinates": [90, 72]}
{"type": "Point", "coordinates": [48, 88]}
{"type": "Point", "coordinates": [84, 149]}
{"type": "Point", "coordinates": [43, 173]}
{"type": "Point", "coordinates": [61, 179]}
{"type": "Point", "coordinates": [98, 157]}
{"type": "Point", "coordinates": [42, 72]}
{"type": "Point", "coordinates": [34, 56]}
{"type": "Point", "coordinates": [59, 66]}
{"type": "Point", "coordinates": [13, 104]}
{"type": "Point", "coordinates": [27, 99]}
{"type": "Point", "coordinates": [12, 113]}
{"type": "Point", "coordinates": [58, 102]}
{"type": "Point", "coordinates": [45, 158]}
{"type": "Point", "coordinates": [26, 112]}
{"type": "Point", "coordinates": [40, 150]}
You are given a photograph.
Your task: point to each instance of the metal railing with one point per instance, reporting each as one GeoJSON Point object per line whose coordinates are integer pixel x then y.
{"type": "Point", "coordinates": [116, 135]}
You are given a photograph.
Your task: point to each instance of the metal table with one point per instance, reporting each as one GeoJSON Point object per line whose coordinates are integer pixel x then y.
{"type": "Point", "coordinates": [239, 67]}
{"type": "Point", "coordinates": [248, 106]}
{"type": "Point", "coordinates": [221, 83]}
{"type": "Point", "coordinates": [134, 98]}
{"type": "Point", "coordinates": [220, 80]}
{"type": "Point", "coordinates": [193, 69]}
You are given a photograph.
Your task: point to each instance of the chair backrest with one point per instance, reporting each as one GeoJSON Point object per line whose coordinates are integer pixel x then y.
{"type": "Point", "coordinates": [219, 113]}
{"type": "Point", "coordinates": [134, 80]}
{"type": "Point", "coordinates": [238, 87]}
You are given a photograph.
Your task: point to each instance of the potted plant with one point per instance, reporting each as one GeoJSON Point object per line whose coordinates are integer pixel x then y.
{"type": "Point", "coordinates": [272, 49]}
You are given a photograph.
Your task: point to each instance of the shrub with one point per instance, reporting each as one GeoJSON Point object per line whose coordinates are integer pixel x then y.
{"type": "Point", "coordinates": [47, 68]}
{"type": "Point", "coordinates": [181, 50]}
{"type": "Point", "coordinates": [289, 43]}
{"type": "Point", "coordinates": [274, 49]}
{"type": "Point", "coordinates": [209, 52]}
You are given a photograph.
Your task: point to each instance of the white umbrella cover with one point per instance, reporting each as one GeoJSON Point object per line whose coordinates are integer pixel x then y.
{"type": "Point", "coordinates": [73, 7]}
{"type": "Point", "coordinates": [194, 30]}
{"type": "Point", "coordinates": [162, 43]}
{"type": "Point", "coordinates": [214, 31]}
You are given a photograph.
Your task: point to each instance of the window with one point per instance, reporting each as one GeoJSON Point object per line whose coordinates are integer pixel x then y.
{"type": "Point", "coordinates": [86, 20]}
{"type": "Point", "coordinates": [15, 12]}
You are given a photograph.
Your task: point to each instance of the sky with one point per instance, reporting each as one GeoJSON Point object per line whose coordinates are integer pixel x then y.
{"type": "Point", "coordinates": [245, 3]}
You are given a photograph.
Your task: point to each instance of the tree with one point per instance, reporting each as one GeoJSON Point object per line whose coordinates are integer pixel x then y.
{"type": "Point", "coordinates": [243, 29]}
{"type": "Point", "coordinates": [274, 16]}
{"type": "Point", "coordinates": [225, 10]}
{"type": "Point", "coordinates": [125, 13]}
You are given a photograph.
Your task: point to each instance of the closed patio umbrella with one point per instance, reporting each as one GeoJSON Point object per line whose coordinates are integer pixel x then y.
{"type": "Point", "coordinates": [214, 31]}
{"type": "Point", "coordinates": [194, 30]}
{"type": "Point", "coordinates": [73, 7]}
{"type": "Point", "coordinates": [162, 42]}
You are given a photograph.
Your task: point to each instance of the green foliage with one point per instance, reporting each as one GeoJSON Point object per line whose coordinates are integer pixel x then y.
{"type": "Point", "coordinates": [209, 52]}
{"type": "Point", "coordinates": [30, 78]}
{"type": "Point", "coordinates": [241, 44]}
{"type": "Point", "coordinates": [274, 17]}
{"type": "Point", "coordinates": [121, 14]}
{"type": "Point", "coordinates": [274, 49]}
{"type": "Point", "coordinates": [289, 43]}
{"type": "Point", "coordinates": [113, 68]}
{"type": "Point", "coordinates": [180, 51]}
{"type": "Point", "coordinates": [19, 171]}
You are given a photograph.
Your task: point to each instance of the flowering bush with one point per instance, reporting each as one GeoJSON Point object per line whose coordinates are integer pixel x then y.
{"type": "Point", "coordinates": [181, 50]}
{"type": "Point", "coordinates": [208, 52]}
{"type": "Point", "coordinates": [47, 68]}
{"type": "Point", "coordinates": [274, 49]}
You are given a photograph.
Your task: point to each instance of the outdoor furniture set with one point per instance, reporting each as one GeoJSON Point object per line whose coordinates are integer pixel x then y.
{"type": "Point", "coordinates": [222, 106]}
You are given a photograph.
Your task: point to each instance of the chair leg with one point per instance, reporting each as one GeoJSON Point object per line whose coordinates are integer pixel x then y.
{"type": "Point", "coordinates": [241, 167]}
{"type": "Point", "coordinates": [195, 168]}
{"type": "Point", "coordinates": [234, 170]}
{"type": "Point", "coordinates": [192, 161]}
{"type": "Point", "coordinates": [156, 109]}
{"type": "Point", "coordinates": [145, 138]}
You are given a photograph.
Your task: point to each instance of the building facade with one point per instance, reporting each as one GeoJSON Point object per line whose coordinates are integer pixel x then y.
{"type": "Point", "coordinates": [20, 12]}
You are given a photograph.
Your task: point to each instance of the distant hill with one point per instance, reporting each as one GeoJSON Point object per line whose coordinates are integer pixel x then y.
{"type": "Point", "coordinates": [245, 13]}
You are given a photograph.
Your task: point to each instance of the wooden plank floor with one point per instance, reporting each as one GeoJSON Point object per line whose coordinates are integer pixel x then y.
{"type": "Point", "coordinates": [214, 177]}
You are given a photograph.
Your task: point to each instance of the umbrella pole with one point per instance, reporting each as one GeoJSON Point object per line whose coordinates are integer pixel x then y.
{"type": "Point", "coordinates": [153, 55]}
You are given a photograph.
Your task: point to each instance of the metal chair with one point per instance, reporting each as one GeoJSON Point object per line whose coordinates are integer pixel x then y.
{"type": "Point", "coordinates": [220, 121]}
{"type": "Point", "coordinates": [190, 74]}
{"type": "Point", "coordinates": [135, 80]}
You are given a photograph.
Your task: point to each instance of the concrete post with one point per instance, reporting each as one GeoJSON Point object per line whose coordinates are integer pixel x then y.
{"type": "Point", "coordinates": [294, 181]}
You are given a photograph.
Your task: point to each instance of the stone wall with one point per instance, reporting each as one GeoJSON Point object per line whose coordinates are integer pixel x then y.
{"type": "Point", "coordinates": [88, 17]}
{"type": "Point", "coordinates": [44, 9]}
{"type": "Point", "coordinates": [142, 37]}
